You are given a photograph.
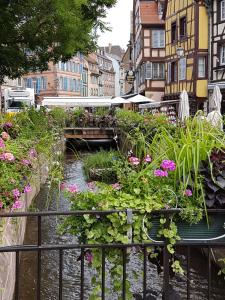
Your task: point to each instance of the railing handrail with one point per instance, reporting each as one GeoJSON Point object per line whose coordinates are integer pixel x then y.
{"type": "Point", "coordinates": [99, 212]}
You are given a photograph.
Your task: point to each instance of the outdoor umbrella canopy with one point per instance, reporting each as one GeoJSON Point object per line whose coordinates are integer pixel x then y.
{"type": "Point", "coordinates": [216, 99]}
{"type": "Point", "coordinates": [119, 100]}
{"type": "Point", "coordinates": [139, 99]}
{"type": "Point", "coordinates": [183, 111]}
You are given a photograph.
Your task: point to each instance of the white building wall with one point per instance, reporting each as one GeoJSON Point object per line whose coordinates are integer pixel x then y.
{"type": "Point", "coordinates": [116, 67]}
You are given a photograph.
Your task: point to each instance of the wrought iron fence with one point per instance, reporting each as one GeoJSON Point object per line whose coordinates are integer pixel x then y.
{"type": "Point", "coordinates": [40, 248]}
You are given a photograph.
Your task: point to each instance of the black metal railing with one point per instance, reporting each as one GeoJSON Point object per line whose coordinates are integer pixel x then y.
{"type": "Point", "coordinates": [39, 247]}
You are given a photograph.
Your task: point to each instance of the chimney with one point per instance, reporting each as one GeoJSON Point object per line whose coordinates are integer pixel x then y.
{"type": "Point", "coordinates": [110, 47]}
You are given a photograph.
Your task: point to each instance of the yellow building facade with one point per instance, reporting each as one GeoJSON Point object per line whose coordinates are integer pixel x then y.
{"type": "Point", "coordinates": [186, 23]}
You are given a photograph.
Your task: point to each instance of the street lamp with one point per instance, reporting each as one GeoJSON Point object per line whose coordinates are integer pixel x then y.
{"type": "Point", "coordinates": [180, 54]}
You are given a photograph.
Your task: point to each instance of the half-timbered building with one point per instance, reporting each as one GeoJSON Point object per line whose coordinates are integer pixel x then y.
{"type": "Point", "coordinates": [217, 49]}
{"type": "Point", "coordinates": [149, 48]}
{"type": "Point", "coordinates": [186, 23]}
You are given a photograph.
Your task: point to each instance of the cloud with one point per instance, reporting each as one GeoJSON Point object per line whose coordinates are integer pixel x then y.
{"type": "Point", "coordinates": [118, 18]}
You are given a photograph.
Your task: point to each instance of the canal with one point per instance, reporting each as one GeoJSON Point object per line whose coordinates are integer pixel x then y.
{"type": "Point", "coordinates": [71, 267]}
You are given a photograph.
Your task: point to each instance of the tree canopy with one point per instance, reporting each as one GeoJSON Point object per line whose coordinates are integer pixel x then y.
{"type": "Point", "coordinates": [34, 32]}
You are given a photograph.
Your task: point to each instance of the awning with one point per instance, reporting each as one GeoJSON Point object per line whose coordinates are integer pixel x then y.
{"type": "Point", "coordinates": [221, 85]}
{"type": "Point", "coordinates": [158, 104]}
{"type": "Point", "coordinates": [70, 102]}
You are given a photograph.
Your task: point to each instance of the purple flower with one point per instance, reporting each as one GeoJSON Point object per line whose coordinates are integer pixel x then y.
{"type": "Point", "coordinates": [2, 144]}
{"type": "Point", "coordinates": [33, 153]}
{"type": "Point", "coordinates": [188, 193]}
{"type": "Point", "coordinates": [89, 257]}
{"type": "Point", "coordinates": [168, 165]}
{"type": "Point", "coordinates": [1, 204]}
{"type": "Point", "coordinates": [8, 125]}
{"type": "Point", "coordinates": [2, 156]}
{"type": "Point", "coordinates": [27, 189]}
{"type": "Point", "coordinates": [17, 205]}
{"type": "Point", "coordinates": [116, 186]}
{"type": "Point", "coordinates": [16, 193]}
{"type": "Point", "coordinates": [26, 162]}
{"type": "Point", "coordinates": [73, 188]}
{"type": "Point", "coordinates": [160, 173]}
{"type": "Point", "coordinates": [147, 159]}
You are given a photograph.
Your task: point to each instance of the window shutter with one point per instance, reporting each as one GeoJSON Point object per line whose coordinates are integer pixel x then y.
{"type": "Point", "coordinates": [148, 70]}
{"type": "Point", "coordinates": [38, 85]}
{"type": "Point", "coordinates": [162, 39]}
{"type": "Point", "coordinates": [182, 69]}
{"type": "Point", "coordinates": [169, 72]}
{"type": "Point", "coordinates": [154, 38]}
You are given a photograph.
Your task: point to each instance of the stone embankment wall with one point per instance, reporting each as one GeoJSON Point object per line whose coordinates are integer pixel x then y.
{"type": "Point", "coordinates": [12, 230]}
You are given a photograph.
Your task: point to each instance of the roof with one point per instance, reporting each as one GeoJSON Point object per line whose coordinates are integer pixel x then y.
{"type": "Point", "coordinates": [114, 49]}
{"type": "Point", "coordinates": [149, 13]}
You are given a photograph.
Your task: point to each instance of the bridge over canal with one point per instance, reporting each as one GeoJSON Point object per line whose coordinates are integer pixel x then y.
{"type": "Point", "coordinates": [90, 133]}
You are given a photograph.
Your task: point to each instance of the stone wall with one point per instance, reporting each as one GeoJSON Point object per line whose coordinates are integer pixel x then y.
{"type": "Point", "coordinates": [12, 231]}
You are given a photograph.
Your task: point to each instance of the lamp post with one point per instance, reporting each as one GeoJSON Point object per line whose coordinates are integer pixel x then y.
{"type": "Point", "coordinates": [130, 77]}
{"type": "Point", "coordinates": [180, 54]}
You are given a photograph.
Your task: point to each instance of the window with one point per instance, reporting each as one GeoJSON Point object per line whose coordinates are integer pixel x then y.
{"type": "Point", "coordinates": [158, 38]}
{"type": "Point", "coordinates": [158, 70]}
{"type": "Point", "coordinates": [183, 28]}
{"type": "Point", "coordinates": [182, 69]}
{"type": "Point", "coordinates": [65, 84]}
{"type": "Point", "coordinates": [173, 32]}
{"type": "Point", "coordinates": [201, 67]}
{"type": "Point", "coordinates": [43, 83]}
{"type": "Point", "coordinates": [222, 54]}
{"type": "Point", "coordinates": [173, 71]}
{"type": "Point", "coordinates": [148, 70]}
{"type": "Point", "coordinates": [222, 10]}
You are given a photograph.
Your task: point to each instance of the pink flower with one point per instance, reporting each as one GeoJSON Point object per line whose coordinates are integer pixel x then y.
{"type": "Point", "coordinates": [160, 173]}
{"type": "Point", "coordinates": [2, 144]}
{"type": "Point", "coordinates": [1, 204]}
{"type": "Point", "coordinates": [33, 153]}
{"type": "Point", "coordinates": [27, 189]}
{"type": "Point", "coordinates": [17, 205]}
{"type": "Point", "coordinates": [168, 165]}
{"type": "Point", "coordinates": [89, 257]}
{"type": "Point", "coordinates": [188, 193]}
{"type": "Point", "coordinates": [5, 136]}
{"type": "Point", "coordinates": [134, 160]}
{"type": "Point", "coordinates": [63, 186]}
{"type": "Point", "coordinates": [147, 159]}
{"type": "Point", "coordinates": [9, 156]}
{"type": "Point", "coordinates": [16, 193]}
{"type": "Point", "coordinates": [73, 188]}
{"type": "Point", "coordinates": [116, 186]}
{"type": "Point", "coordinates": [26, 162]}
{"type": "Point", "coordinates": [91, 185]}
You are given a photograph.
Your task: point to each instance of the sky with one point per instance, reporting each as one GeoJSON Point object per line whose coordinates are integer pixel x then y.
{"type": "Point", "coordinates": [118, 18]}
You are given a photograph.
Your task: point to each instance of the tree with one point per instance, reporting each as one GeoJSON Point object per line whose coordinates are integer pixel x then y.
{"type": "Point", "coordinates": [34, 32]}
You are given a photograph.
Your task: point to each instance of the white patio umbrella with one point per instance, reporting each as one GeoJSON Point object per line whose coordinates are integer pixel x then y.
{"type": "Point", "coordinates": [119, 100]}
{"type": "Point", "coordinates": [184, 110]}
{"type": "Point", "coordinates": [140, 99]}
{"type": "Point", "coordinates": [216, 99]}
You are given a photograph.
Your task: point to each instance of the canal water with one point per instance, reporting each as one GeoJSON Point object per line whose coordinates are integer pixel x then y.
{"type": "Point", "coordinates": [71, 264]}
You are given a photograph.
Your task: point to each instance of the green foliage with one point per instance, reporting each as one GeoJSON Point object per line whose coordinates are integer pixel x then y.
{"type": "Point", "coordinates": [188, 147]}
{"type": "Point", "coordinates": [35, 32]}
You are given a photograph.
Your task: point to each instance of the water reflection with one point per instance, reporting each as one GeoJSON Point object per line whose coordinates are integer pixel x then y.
{"type": "Point", "coordinates": [71, 264]}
